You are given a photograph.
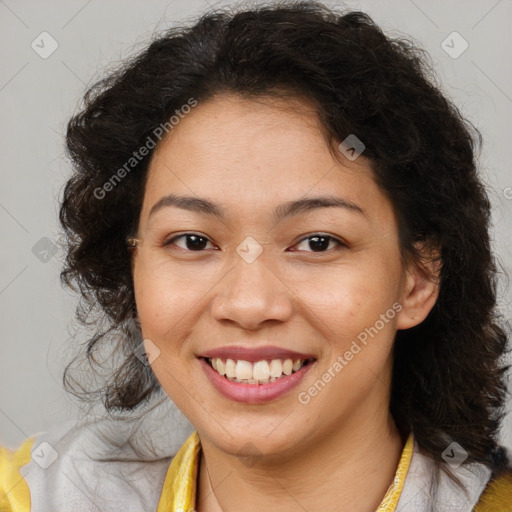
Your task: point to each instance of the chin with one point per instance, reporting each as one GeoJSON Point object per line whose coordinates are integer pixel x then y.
{"type": "Point", "coordinates": [256, 441]}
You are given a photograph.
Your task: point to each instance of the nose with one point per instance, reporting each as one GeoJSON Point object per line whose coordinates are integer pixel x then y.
{"type": "Point", "coordinates": [250, 295]}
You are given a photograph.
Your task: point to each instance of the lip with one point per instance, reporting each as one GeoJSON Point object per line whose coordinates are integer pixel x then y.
{"type": "Point", "coordinates": [254, 393]}
{"type": "Point", "coordinates": [253, 354]}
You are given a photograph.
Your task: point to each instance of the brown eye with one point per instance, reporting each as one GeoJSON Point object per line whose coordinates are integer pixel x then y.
{"type": "Point", "coordinates": [192, 242]}
{"type": "Point", "coordinates": [321, 243]}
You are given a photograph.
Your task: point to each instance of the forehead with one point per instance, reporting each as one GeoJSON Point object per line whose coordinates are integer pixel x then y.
{"type": "Point", "coordinates": [233, 133]}
{"type": "Point", "coordinates": [253, 154]}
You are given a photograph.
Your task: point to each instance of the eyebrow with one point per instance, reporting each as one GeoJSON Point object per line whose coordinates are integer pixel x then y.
{"type": "Point", "coordinates": [196, 204]}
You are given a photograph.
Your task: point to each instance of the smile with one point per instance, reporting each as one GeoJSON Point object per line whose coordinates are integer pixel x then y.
{"type": "Point", "coordinates": [259, 372]}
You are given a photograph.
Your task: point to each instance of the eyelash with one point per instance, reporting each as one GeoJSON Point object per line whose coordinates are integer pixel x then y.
{"type": "Point", "coordinates": [340, 243]}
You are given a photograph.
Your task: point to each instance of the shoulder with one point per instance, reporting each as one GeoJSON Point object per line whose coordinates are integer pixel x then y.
{"type": "Point", "coordinates": [428, 484]}
{"type": "Point", "coordinates": [100, 463]}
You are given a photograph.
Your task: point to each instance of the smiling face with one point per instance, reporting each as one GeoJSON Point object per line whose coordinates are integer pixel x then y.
{"type": "Point", "coordinates": [264, 267]}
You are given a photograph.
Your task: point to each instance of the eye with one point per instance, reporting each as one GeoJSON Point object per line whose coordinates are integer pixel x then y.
{"type": "Point", "coordinates": [196, 243]}
{"type": "Point", "coordinates": [192, 242]}
{"type": "Point", "coordinates": [321, 243]}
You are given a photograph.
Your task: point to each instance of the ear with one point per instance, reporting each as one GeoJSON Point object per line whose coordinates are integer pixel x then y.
{"type": "Point", "coordinates": [421, 288]}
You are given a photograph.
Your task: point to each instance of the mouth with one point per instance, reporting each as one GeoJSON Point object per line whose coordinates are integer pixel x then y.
{"type": "Point", "coordinates": [256, 375]}
{"type": "Point", "coordinates": [264, 371]}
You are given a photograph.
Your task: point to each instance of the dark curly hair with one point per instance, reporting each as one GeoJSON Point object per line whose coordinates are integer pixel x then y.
{"type": "Point", "coordinates": [448, 382]}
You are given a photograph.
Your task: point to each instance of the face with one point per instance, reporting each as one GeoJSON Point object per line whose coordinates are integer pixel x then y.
{"type": "Point", "coordinates": [251, 269]}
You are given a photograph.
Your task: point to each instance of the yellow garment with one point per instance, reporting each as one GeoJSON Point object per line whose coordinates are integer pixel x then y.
{"type": "Point", "coordinates": [14, 491]}
{"type": "Point", "coordinates": [179, 489]}
{"type": "Point", "coordinates": [497, 497]}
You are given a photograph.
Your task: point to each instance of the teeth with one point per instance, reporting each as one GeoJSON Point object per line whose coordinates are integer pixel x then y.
{"type": "Point", "coordinates": [276, 368]}
{"type": "Point", "coordinates": [221, 367]}
{"type": "Point", "coordinates": [243, 370]}
{"type": "Point", "coordinates": [260, 372]}
{"type": "Point", "coordinates": [230, 368]}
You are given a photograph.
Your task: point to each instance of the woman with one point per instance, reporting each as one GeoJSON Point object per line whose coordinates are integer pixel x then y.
{"type": "Point", "coordinates": [282, 217]}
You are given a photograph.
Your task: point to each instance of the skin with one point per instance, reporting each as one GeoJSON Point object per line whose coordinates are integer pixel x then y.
{"type": "Point", "coordinates": [340, 451]}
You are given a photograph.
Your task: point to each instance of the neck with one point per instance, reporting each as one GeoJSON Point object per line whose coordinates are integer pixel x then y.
{"type": "Point", "coordinates": [347, 470]}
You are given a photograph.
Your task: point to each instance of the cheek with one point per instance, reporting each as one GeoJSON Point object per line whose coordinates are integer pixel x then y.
{"type": "Point", "coordinates": [165, 306]}
{"type": "Point", "coordinates": [347, 299]}
{"type": "Point", "coordinates": [164, 297]}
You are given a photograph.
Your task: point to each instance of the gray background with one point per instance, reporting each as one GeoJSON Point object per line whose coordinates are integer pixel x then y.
{"type": "Point", "coordinates": [38, 95]}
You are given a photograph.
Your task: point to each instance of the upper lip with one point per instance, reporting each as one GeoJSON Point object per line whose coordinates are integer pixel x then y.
{"type": "Point", "coordinates": [253, 354]}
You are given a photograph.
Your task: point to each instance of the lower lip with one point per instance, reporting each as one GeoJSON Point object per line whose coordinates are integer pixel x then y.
{"type": "Point", "coordinates": [254, 393]}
